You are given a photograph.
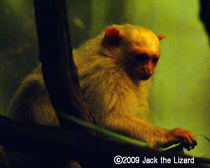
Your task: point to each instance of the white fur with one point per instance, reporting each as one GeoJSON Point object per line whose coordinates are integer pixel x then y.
{"type": "Point", "coordinates": [115, 100]}
{"type": "Point", "coordinates": [105, 84]}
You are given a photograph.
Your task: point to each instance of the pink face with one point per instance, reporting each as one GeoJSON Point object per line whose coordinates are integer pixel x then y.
{"type": "Point", "coordinates": [142, 51]}
{"type": "Point", "coordinates": [142, 61]}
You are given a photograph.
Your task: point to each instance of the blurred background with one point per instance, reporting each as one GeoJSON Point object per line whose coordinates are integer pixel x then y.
{"type": "Point", "coordinates": [180, 96]}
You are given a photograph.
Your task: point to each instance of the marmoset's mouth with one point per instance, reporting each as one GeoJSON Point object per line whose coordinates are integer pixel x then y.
{"type": "Point", "coordinates": [144, 77]}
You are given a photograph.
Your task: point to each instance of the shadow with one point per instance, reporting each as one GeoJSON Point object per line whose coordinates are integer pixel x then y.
{"type": "Point", "coordinates": [205, 14]}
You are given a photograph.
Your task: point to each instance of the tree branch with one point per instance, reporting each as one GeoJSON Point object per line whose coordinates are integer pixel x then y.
{"type": "Point", "coordinates": [59, 71]}
{"type": "Point", "coordinates": [90, 150]}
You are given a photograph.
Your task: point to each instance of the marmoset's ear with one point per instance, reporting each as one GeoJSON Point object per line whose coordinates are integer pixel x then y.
{"type": "Point", "coordinates": [112, 37]}
{"type": "Point", "coordinates": [160, 36]}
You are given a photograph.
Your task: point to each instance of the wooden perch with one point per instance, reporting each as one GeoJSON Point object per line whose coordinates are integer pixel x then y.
{"type": "Point", "coordinates": [59, 71]}
{"type": "Point", "coordinates": [90, 150]}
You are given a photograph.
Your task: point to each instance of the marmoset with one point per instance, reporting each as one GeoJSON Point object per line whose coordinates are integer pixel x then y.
{"type": "Point", "coordinates": [115, 70]}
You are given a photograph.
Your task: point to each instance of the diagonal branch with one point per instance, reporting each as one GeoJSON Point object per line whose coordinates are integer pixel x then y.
{"type": "Point", "coordinates": [90, 150]}
{"type": "Point", "coordinates": [59, 71]}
